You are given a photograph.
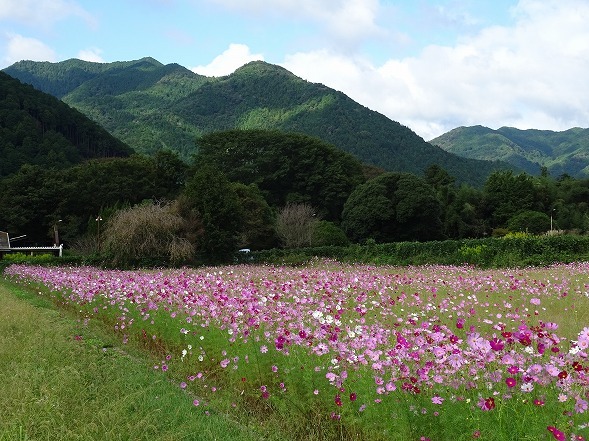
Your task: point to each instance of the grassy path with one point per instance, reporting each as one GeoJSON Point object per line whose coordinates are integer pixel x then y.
{"type": "Point", "coordinates": [54, 386]}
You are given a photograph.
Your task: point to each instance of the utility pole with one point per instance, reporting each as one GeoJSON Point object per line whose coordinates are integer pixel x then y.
{"type": "Point", "coordinates": [98, 219]}
{"type": "Point", "coordinates": [56, 234]}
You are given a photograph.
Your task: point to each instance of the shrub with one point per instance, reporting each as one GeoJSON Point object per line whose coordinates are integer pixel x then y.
{"type": "Point", "coordinates": [533, 222]}
{"type": "Point", "coordinates": [327, 233]}
{"type": "Point", "coordinates": [150, 232]}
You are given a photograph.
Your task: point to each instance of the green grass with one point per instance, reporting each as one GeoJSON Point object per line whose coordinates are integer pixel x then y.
{"type": "Point", "coordinates": [62, 380]}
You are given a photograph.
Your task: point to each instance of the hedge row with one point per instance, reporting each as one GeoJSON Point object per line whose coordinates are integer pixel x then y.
{"type": "Point", "coordinates": [489, 252]}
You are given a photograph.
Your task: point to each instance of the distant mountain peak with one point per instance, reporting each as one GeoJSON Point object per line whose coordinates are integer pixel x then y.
{"type": "Point", "coordinates": [150, 60]}
{"type": "Point", "coordinates": [564, 152]}
{"type": "Point", "coordinates": [258, 67]}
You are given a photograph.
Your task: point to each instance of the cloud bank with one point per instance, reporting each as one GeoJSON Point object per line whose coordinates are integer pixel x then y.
{"type": "Point", "coordinates": [530, 75]}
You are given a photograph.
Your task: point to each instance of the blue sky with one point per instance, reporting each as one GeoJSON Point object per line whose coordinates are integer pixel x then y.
{"type": "Point", "coordinates": [432, 65]}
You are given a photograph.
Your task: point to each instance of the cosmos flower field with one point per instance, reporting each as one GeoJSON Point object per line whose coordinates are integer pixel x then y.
{"type": "Point", "coordinates": [412, 353]}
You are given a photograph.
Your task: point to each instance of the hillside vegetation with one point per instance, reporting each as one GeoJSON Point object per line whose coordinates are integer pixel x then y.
{"type": "Point", "coordinates": [152, 106]}
{"type": "Point", "coordinates": [36, 128]}
{"type": "Point", "coordinates": [559, 153]}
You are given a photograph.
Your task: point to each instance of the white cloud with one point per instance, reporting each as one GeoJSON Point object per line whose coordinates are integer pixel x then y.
{"type": "Point", "coordinates": [42, 13]}
{"type": "Point", "coordinates": [344, 19]}
{"type": "Point", "coordinates": [91, 54]}
{"type": "Point", "coordinates": [23, 48]}
{"type": "Point", "coordinates": [355, 77]}
{"type": "Point", "coordinates": [530, 75]}
{"type": "Point", "coordinates": [235, 56]}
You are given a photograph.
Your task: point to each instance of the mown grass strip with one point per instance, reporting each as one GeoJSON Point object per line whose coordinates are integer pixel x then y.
{"type": "Point", "coordinates": [61, 380]}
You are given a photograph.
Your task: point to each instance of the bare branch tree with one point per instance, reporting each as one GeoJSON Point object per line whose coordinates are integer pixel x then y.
{"type": "Point", "coordinates": [295, 224]}
{"type": "Point", "coordinates": [146, 231]}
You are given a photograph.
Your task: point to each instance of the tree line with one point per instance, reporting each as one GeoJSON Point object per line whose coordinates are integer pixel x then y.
{"type": "Point", "coordinates": [262, 189]}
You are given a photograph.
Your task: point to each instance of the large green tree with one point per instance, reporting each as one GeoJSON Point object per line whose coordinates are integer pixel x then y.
{"type": "Point", "coordinates": [286, 167]}
{"type": "Point", "coordinates": [506, 194]}
{"type": "Point", "coordinates": [216, 203]}
{"type": "Point", "coordinates": [393, 207]}
{"type": "Point", "coordinates": [257, 229]}
{"type": "Point", "coordinates": [463, 217]}
{"type": "Point", "coordinates": [444, 186]}
{"type": "Point", "coordinates": [28, 201]}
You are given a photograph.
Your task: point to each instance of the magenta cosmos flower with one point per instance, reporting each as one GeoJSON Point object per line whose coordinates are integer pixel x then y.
{"type": "Point", "coordinates": [557, 434]}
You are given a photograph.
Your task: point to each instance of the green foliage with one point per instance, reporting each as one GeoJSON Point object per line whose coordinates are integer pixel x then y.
{"type": "Point", "coordinates": [473, 254]}
{"type": "Point", "coordinates": [257, 229]}
{"type": "Point", "coordinates": [216, 203]}
{"type": "Point", "coordinates": [40, 259]}
{"type": "Point", "coordinates": [499, 232]}
{"type": "Point", "coordinates": [327, 233]}
{"type": "Point", "coordinates": [34, 198]}
{"type": "Point", "coordinates": [286, 167]}
{"type": "Point", "coordinates": [512, 251]}
{"type": "Point", "coordinates": [517, 235]}
{"type": "Point", "coordinates": [529, 221]}
{"type": "Point", "coordinates": [506, 194]}
{"type": "Point", "coordinates": [392, 207]}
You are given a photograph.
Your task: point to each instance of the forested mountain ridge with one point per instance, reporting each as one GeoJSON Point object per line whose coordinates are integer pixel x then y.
{"type": "Point", "coordinates": [37, 128]}
{"type": "Point", "coordinates": [151, 106]}
{"type": "Point", "coordinates": [565, 152]}
{"type": "Point", "coordinates": [59, 79]}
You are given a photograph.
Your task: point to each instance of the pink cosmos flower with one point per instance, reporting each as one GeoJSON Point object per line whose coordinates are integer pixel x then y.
{"type": "Point", "coordinates": [437, 400]}
{"type": "Point", "coordinates": [581, 405]}
{"type": "Point", "coordinates": [486, 404]}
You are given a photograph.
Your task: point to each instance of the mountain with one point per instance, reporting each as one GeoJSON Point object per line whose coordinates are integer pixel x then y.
{"type": "Point", "coordinates": [151, 106]}
{"type": "Point", "coordinates": [565, 152]}
{"type": "Point", "coordinates": [37, 128]}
